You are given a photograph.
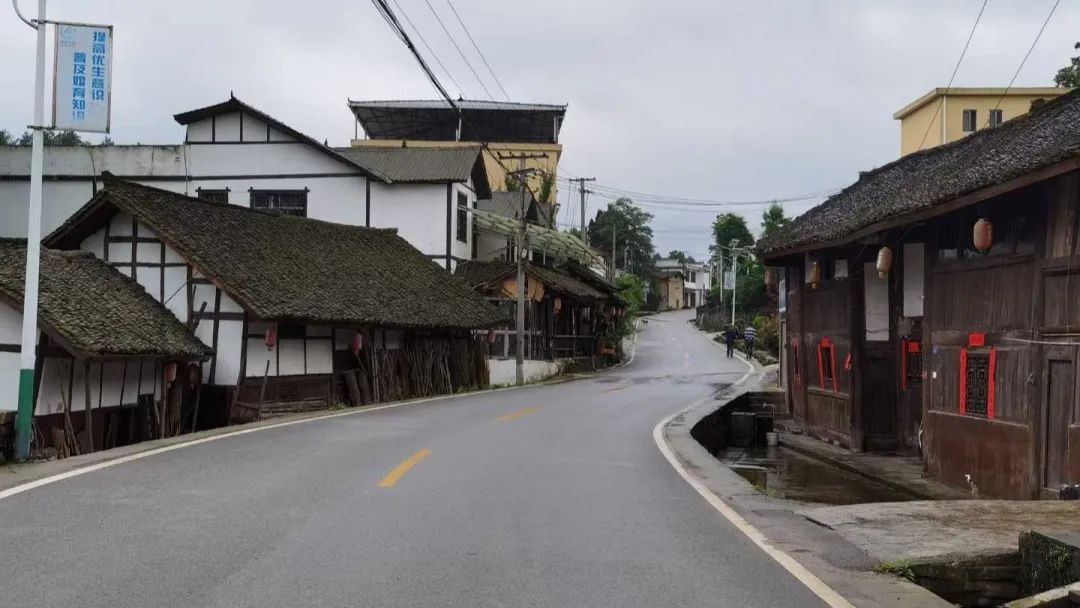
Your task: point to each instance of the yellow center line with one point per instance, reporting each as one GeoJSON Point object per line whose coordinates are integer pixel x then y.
{"type": "Point", "coordinates": [617, 388]}
{"type": "Point", "coordinates": [400, 470]}
{"type": "Point", "coordinates": [516, 415]}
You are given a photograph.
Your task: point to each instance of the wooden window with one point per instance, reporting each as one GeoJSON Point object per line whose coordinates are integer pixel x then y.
{"type": "Point", "coordinates": [977, 371]}
{"type": "Point", "coordinates": [910, 364]}
{"type": "Point", "coordinates": [285, 202]}
{"type": "Point", "coordinates": [213, 195]}
{"type": "Point", "coordinates": [995, 118]}
{"type": "Point", "coordinates": [826, 358]}
{"type": "Point", "coordinates": [462, 218]}
{"type": "Point", "coordinates": [970, 117]}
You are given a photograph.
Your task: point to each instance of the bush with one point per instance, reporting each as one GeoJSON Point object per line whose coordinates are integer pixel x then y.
{"type": "Point", "coordinates": [768, 334]}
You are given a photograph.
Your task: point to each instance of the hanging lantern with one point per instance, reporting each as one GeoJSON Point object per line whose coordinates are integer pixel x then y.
{"type": "Point", "coordinates": [491, 336]}
{"type": "Point", "coordinates": [770, 277]}
{"type": "Point", "coordinates": [170, 373]}
{"type": "Point", "coordinates": [983, 234]}
{"type": "Point", "coordinates": [884, 262]}
{"type": "Point", "coordinates": [271, 338]}
{"type": "Point", "coordinates": [815, 275]}
{"type": "Point", "coordinates": [357, 343]}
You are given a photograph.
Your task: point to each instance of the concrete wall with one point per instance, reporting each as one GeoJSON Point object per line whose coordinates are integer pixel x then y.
{"type": "Point", "coordinates": [10, 338]}
{"type": "Point", "coordinates": [504, 371]}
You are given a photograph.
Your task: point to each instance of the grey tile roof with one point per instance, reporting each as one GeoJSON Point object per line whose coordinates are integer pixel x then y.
{"type": "Point", "coordinates": [289, 268]}
{"type": "Point", "coordinates": [478, 274]}
{"type": "Point", "coordinates": [411, 165]}
{"type": "Point", "coordinates": [1043, 137]}
{"type": "Point", "coordinates": [508, 204]}
{"type": "Point", "coordinates": [94, 309]}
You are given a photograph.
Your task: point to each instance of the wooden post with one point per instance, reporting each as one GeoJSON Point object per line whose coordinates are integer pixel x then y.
{"type": "Point", "coordinates": [88, 412]}
{"type": "Point", "coordinates": [262, 389]}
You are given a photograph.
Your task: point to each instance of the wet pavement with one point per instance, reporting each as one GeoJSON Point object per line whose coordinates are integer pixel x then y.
{"type": "Point", "coordinates": [793, 476]}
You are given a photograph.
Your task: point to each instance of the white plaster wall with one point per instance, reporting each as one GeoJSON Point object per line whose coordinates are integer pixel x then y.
{"type": "Point", "coordinates": [9, 381]}
{"type": "Point", "coordinates": [490, 246]}
{"type": "Point", "coordinates": [107, 381]}
{"type": "Point", "coordinates": [332, 199]}
{"type": "Point", "coordinates": [291, 358]}
{"type": "Point", "coordinates": [418, 211]}
{"type": "Point", "coordinates": [503, 372]}
{"type": "Point", "coordinates": [10, 324]}
{"type": "Point", "coordinates": [458, 248]}
{"type": "Point", "coordinates": [230, 341]}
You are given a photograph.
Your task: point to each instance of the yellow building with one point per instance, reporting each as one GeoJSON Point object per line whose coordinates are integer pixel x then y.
{"type": "Point", "coordinates": [510, 129]}
{"type": "Point", "coordinates": [945, 115]}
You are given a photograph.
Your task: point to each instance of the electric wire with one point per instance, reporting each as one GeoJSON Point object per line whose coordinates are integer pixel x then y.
{"type": "Point", "coordinates": [478, 51]}
{"type": "Point", "coordinates": [460, 52]}
{"type": "Point", "coordinates": [1023, 61]}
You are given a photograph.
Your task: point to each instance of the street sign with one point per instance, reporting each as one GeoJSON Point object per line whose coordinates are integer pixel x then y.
{"type": "Point", "coordinates": [729, 279]}
{"type": "Point", "coordinates": [82, 77]}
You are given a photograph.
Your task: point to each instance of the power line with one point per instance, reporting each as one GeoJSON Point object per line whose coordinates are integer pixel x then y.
{"type": "Point", "coordinates": [1024, 60]}
{"type": "Point", "coordinates": [446, 71]}
{"type": "Point", "coordinates": [395, 25]}
{"type": "Point", "coordinates": [460, 52]}
{"type": "Point", "coordinates": [644, 198]}
{"type": "Point", "coordinates": [951, 78]}
{"type": "Point", "coordinates": [478, 51]}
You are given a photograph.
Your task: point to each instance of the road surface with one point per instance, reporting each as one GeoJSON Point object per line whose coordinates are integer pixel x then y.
{"type": "Point", "coordinates": [547, 496]}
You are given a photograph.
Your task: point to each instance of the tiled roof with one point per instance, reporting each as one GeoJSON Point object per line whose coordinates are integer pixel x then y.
{"type": "Point", "coordinates": [232, 104]}
{"type": "Point", "coordinates": [1043, 137]}
{"type": "Point", "coordinates": [94, 309]}
{"type": "Point", "coordinates": [289, 268]}
{"type": "Point", "coordinates": [485, 274]}
{"type": "Point", "coordinates": [417, 164]}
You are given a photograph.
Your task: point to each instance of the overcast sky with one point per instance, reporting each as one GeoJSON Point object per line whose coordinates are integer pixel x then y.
{"type": "Point", "coordinates": [709, 99]}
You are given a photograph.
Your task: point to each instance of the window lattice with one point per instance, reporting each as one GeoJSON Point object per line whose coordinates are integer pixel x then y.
{"type": "Point", "coordinates": [977, 383]}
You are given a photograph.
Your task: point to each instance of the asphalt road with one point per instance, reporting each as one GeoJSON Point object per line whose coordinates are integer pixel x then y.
{"type": "Point", "coordinates": [552, 496]}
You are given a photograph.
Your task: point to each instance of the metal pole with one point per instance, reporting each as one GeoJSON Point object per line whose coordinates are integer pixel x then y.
{"type": "Point", "coordinates": [27, 357]}
{"type": "Point", "coordinates": [614, 248]}
{"type": "Point", "coordinates": [734, 281]}
{"type": "Point", "coordinates": [519, 351]}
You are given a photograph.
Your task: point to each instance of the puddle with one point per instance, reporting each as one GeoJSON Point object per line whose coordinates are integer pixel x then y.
{"type": "Point", "coordinates": [793, 476]}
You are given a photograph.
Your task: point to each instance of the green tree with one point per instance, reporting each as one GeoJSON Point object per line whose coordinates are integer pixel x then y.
{"type": "Point", "coordinates": [773, 220]}
{"type": "Point", "coordinates": [632, 233]}
{"type": "Point", "coordinates": [53, 138]}
{"type": "Point", "coordinates": [1069, 76]}
{"type": "Point", "coordinates": [728, 227]}
{"type": "Point", "coordinates": [681, 256]}
{"type": "Point", "coordinates": [632, 292]}
{"type": "Point", "coordinates": [6, 138]}
{"type": "Point", "coordinates": [547, 187]}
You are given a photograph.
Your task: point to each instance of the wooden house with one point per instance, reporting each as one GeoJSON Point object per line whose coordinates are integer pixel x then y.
{"type": "Point", "coordinates": [930, 307]}
{"type": "Point", "coordinates": [291, 306]}
{"type": "Point", "coordinates": [568, 314]}
{"type": "Point", "coordinates": [112, 361]}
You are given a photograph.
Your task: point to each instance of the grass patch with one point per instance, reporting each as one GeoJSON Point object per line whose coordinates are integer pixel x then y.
{"type": "Point", "coordinates": [900, 567]}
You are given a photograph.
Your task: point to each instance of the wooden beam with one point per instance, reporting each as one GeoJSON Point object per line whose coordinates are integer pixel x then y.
{"type": "Point", "coordinates": [88, 412]}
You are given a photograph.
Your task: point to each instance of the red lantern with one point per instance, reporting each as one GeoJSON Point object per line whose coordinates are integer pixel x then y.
{"type": "Point", "coordinates": [357, 343]}
{"type": "Point", "coordinates": [170, 373]}
{"type": "Point", "coordinates": [271, 338]}
{"type": "Point", "coordinates": [983, 234]}
{"type": "Point", "coordinates": [884, 262]}
{"type": "Point", "coordinates": [491, 336]}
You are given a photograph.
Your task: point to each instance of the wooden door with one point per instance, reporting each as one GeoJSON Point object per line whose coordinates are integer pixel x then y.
{"type": "Point", "coordinates": [880, 372]}
{"type": "Point", "coordinates": [796, 360]}
{"type": "Point", "coordinates": [1058, 400]}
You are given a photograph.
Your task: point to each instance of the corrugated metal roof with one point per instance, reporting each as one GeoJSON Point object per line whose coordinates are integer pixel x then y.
{"type": "Point", "coordinates": [464, 104]}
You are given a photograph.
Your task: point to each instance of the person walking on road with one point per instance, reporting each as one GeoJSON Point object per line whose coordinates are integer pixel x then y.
{"type": "Point", "coordinates": [729, 341]}
{"type": "Point", "coordinates": [748, 336]}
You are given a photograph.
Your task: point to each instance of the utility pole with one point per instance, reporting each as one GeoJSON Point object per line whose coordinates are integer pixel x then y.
{"type": "Point", "coordinates": [521, 174]}
{"type": "Point", "coordinates": [27, 354]}
{"type": "Point", "coordinates": [581, 188]}
{"type": "Point", "coordinates": [614, 248]}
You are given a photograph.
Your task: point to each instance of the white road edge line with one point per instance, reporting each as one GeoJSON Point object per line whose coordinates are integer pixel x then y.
{"type": "Point", "coordinates": [804, 576]}
{"type": "Point", "coordinates": [44, 481]}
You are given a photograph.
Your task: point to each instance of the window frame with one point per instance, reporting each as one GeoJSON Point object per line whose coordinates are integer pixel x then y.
{"type": "Point", "coordinates": [290, 210]}
{"type": "Point", "coordinates": [213, 193]}
{"type": "Point", "coordinates": [997, 112]}
{"type": "Point", "coordinates": [462, 230]}
{"type": "Point", "coordinates": [827, 354]}
{"type": "Point", "coordinates": [974, 124]}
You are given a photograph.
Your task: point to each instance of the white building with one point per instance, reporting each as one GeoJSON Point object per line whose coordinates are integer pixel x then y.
{"type": "Point", "coordinates": [235, 153]}
{"type": "Point", "coordinates": [697, 280]}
